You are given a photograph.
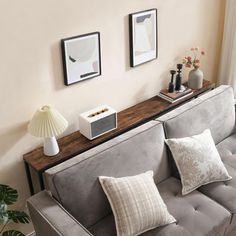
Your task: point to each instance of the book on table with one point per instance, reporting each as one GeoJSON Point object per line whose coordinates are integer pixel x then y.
{"type": "Point", "coordinates": [176, 95]}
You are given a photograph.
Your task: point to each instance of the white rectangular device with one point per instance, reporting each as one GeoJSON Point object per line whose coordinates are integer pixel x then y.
{"type": "Point", "coordinates": [98, 121]}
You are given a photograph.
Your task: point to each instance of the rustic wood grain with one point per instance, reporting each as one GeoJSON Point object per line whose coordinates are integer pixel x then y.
{"type": "Point", "coordinates": [75, 143]}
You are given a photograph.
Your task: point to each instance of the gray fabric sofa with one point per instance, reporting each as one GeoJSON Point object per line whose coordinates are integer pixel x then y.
{"type": "Point", "coordinates": [74, 203]}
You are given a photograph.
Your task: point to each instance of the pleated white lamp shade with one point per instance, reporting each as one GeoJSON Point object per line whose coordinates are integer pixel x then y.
{"type": "Point", "coordinates": [47, 122]}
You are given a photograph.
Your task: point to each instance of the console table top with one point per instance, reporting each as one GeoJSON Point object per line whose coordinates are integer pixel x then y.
{"type": "Point", "coordinates": [75, 143]}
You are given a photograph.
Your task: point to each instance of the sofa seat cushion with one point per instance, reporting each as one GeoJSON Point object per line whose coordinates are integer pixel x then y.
{"type": "Point", "coordinates": [227, 150]}
{"type": "Point", "coordinates": [196, 214]}
{"type": "Point", "coordinates": [223, 192]}
{"type": "Point", "coordinates": [105, 227]}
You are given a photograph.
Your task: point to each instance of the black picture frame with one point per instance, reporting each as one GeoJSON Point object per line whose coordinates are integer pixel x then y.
{"type": "Point", "coordinates": [143, 36]}
{"type": "Point", "coordinates": [81, 56]}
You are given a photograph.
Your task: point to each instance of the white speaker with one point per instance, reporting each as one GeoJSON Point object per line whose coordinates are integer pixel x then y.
{"type": "Point", "coordinates": [98, 121]}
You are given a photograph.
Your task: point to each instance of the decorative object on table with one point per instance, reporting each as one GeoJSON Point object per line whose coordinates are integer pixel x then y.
{"type": "Point", "coordinates": [143, 36]}
{"type": "Point", "coordinates": [171, 87]}
{"type": "Point", "coordinates": [195, 78]}
{"type": "Point", "coordinates": [47, 122]}
{"type": "Point", "coordinates": [176, 95]}
{"type": "Point", "coordinates": [178, 79]}
{"type": "Point", "coordinates": [81, 57]}
{"type": "Point", "coordinates": [8, 196]}
{"type": "Point", "coordinates": [98, 121]}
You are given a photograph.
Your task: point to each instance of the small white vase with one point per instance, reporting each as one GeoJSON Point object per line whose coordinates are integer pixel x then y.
{"type": "Point", "coordinates": [195, 79]}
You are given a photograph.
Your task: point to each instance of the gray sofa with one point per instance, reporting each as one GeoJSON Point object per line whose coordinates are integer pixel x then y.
{"type": "Point", "coordinates": [74, 203]}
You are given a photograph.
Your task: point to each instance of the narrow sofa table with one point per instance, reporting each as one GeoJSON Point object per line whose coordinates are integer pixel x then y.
{"type": "Point", "coordinates": [75, 143]}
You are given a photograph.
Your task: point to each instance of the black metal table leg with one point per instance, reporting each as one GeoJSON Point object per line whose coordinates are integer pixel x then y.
{"type": "Point", "coordinates": [29, 178]}
{"type": "Point", "coordinates": [40, 176]}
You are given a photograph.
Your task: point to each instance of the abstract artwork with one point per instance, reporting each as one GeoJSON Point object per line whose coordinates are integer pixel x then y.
{"type": "Point", "coordinates": [81, 57]}
{"type": "Point", "coordinates": [143, 36]}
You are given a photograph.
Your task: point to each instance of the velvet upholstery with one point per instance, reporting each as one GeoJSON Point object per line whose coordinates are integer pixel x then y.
{"type": "Point", "coordinates": [121, 156]}
{"type": "Point", "coordinates": [51, 219]}
{"type": "Point", "coordinates": [196, 214]}
{"type": "Point", "coordinates": [208, 111]}
{"type": "Point", "coordinates": [223, 192]}
{"type": "Point", "coordinates": [77, 198]}
{"type": "Point", "coordinates": [227, 150]}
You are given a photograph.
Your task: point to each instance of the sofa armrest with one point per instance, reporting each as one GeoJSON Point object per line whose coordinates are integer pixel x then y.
{"type": "Point", "coordinates": [50, 218]}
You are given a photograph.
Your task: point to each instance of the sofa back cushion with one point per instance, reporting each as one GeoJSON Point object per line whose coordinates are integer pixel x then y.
{"type": "Point", "coordinates": [75, 184]}
{"type": "Point", "coordinates": [213, 110]}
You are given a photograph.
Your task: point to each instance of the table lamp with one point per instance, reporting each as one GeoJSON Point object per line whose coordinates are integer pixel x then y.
{"type": "Point", "coordinates": [47, 122]}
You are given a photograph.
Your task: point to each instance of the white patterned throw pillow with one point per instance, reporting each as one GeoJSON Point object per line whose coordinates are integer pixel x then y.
{"type": "Point", "coordinates": [197, 160]}
{"type": "Point", "coordinates": [136, 203]}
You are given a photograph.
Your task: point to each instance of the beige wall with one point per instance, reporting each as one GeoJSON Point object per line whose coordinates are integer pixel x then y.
{"type": "Point", "coordinates": [31, 70]}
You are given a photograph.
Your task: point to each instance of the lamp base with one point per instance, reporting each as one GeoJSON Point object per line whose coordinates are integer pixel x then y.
{"type": "Point", "coordinates": [50, 147]}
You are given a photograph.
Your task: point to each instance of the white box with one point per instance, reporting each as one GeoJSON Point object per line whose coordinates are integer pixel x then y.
{"type": "Point", "coordinates": [97, 121]}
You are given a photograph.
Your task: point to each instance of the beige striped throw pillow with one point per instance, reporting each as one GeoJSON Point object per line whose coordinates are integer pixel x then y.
{"type": "Point", "coordinates": [136, 203]}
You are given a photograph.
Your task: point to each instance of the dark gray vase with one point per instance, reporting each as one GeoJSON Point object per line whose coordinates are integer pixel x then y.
{"type": "Point", "coordinates": [195, 79]}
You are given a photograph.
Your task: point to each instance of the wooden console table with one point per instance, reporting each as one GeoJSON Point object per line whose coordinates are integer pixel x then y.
{"type": "Point", "coordinates": [73, 144]}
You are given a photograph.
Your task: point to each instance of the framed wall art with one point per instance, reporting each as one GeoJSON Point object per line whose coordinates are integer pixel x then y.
{"type": "Point", "coordinates": [81, 57]}
{"type": "Point", "coordinates": [143, 36]}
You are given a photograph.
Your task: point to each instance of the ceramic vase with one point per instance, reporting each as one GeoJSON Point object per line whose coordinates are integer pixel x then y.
{"type": "Point", "coordinates": [195, 79]}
